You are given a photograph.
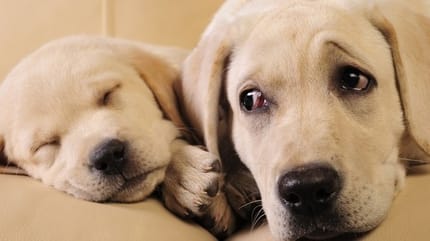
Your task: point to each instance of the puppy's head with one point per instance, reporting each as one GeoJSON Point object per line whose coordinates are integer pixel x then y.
{"type": "Point", "coordinates": [83, 115]}
{"type": "Point", "coordinates": [316, 95]}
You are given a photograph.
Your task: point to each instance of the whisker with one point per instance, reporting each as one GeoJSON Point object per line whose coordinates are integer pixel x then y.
{"type": "Point", "coordinates": [261, 221]}
{"type": "Point", "coordinates": [249, 203]}
{"type": "Point", "coordinates": [414, 162]}
{"type": "Point", "coordinates": [260, 215]}
{"type": "Point", "coordinates": [255, 208]}
{"type": "Point", "coordinates": [409, 161]}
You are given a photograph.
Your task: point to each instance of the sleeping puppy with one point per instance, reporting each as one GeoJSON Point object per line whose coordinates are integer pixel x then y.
{"type": "Point", "coordinates": [322, 101]}
{"type": "Point", "coordinates": [95, 117]}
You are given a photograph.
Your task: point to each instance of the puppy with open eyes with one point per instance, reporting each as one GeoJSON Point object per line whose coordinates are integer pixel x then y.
{"type": "Point", "coordinates": [313, 106]}
{"type": "Point", "coordinates": [97, 118]}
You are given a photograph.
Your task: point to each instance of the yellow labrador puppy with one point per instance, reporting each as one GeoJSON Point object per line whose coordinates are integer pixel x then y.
{"type": "Point", "coordinates": [321, 100]}
{"type": "Point", "coordinates": [96, 117]}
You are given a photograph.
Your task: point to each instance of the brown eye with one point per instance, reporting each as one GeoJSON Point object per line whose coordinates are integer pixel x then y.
{"type": "Point", "coordinates": [252, 100]}
{"type": "Point", "coordinates": [352, 79]}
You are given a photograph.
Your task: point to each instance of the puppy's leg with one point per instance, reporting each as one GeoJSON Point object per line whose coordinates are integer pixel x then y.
{"type": "Point", "coordinates": [192, 180]}
{"type": "Point", "coordinates": [192, 188]}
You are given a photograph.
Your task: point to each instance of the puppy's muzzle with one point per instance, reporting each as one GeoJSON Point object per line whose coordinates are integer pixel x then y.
{"type": "Point", "coordinates": [109, 157]}
{"type": "Point", "coordinates": [309, 191]}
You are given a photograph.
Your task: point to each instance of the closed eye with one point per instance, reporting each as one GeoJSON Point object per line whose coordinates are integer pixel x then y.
{"type": "Point", "coordinates": [106, 98]}
{"type": "Point", "coordinates": [54, 142]}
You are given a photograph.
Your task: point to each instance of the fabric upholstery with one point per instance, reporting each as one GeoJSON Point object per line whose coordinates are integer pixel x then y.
{"type": "Point", "coordinates": [31, 211]}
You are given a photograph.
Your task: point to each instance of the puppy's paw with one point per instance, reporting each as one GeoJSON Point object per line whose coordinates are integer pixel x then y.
{"type": "Point", "coordinates": [192, 188]}
{"type": "Point", "coordinates": [192, 180]}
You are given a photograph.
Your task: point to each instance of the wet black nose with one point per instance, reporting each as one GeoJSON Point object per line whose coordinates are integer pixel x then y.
{"type": "Point", "coordinates": [310, 190]}
{"type": "Point", "coordinates": [108, 157]}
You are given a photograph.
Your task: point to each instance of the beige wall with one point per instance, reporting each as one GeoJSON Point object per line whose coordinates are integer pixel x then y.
{"type": "Point", "coordinates": [26, 24]}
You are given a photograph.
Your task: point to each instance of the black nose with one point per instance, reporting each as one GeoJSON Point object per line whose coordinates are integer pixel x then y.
{"type": "Point", "coordinates": [310, 190]}
{"type": "Point", "coordinates": [109, 157]}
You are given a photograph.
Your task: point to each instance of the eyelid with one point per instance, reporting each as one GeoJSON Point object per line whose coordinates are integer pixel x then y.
{"type": "Point", "coordinates": [349, 53]}
{"type": "Point", "coordinates": [55, 141]}
{"type": "Point", "coordinates": [251, 85]}
{"type": "Point", "coordinates": [104, 96]}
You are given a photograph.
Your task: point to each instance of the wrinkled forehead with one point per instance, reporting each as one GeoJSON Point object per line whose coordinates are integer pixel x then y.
{"type": "Point", "coordinates": [308, 33]}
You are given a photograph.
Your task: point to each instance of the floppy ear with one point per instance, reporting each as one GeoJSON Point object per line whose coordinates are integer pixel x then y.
{"type": "Point", "coordinates": [7, 167]}
{"type": "Point", "coordinates": [159, 75]}
{"type": "Point", "coordinates": [160, 78]}
{"type": "Point", "coordinates": [409, 39]}
{"type": "Point", "coordinates": [202, 83]}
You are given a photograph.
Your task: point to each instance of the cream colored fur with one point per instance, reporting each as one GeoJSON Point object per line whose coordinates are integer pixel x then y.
{"type": "Point", "coordinates": [54, 115]}
{"type": "Point", "coordinates": [290, 50]}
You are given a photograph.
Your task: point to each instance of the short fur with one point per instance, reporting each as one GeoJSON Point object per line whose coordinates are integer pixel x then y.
{"type": "Point", "coordinates": [59, 103]}
{"type": "Point", "coordinates": [290, 50]}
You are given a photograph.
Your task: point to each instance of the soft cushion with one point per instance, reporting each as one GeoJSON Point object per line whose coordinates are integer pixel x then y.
{"type": "Point", "coordinates": [30, 210]}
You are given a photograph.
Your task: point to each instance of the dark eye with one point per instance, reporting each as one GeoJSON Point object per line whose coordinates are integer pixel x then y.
{"type": "Point", "coordinates": [352, 79]}
{"type": "Point", "coordinates": [252, 100]}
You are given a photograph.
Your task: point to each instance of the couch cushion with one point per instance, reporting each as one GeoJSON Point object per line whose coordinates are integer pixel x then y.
{"type": "Point", "coordinates": [409, 217]}
{"type": "Point", "coordinates": [26, 25]}
{"type": "Point", "coordinates": [30, 210]}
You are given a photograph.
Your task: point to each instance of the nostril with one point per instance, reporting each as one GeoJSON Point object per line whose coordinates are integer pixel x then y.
{"type": "Point", "coordinates": [109, 157]}
{"type": "Point", "coordinates": [118, 153]}
{"type": "Point", "coordinates": [323, 195]}
{"type": "Point", "coordinates": [293, 199]}
{"type": "Point", "coordinates": [101, 165]}
{"type": "Point", "coordinates": [310, 189]}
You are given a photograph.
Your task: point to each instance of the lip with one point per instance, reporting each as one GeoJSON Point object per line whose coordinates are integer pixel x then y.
{"type": "Point", "coordinates": [131, 183]}
{"type": "Point", "coordinates": [135, 188]}
{"type": "Point", "coordinates": [320, 234]}
{"type": "Point", "coordinates": [137, 180]}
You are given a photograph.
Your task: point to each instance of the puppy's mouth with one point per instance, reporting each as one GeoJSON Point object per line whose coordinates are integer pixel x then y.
{"type": "Point", "coordinates": [326, 227]}
{"type": "Point", "coordinates": [133, 182]}
{"type": "Point", "coordinates": [311, 232]}
{"type": "Point", "coordinates": [133, 188]}
{"type": "Point", "coordinates": [322, 234]}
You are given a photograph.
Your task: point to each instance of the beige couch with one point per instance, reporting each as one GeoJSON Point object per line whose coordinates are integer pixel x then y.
{"type": "Point", "coordinates": [32, 211]}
